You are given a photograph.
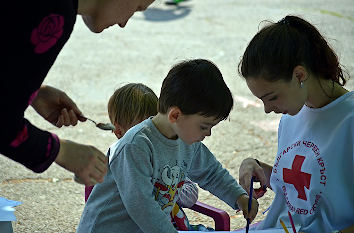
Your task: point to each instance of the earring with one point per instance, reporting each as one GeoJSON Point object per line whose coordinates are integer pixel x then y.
{"type": "Point", "coordinates": [301, 84]}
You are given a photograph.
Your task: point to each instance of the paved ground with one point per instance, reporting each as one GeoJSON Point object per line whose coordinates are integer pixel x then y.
{"type": "Point", "coordinates": [91, 66]}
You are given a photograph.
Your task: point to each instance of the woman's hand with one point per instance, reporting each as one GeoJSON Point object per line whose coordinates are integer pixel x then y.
{"type": "Point", "coordinates": [250, 168]}
{"type": "Point", "coordinates": [56, 107]}
{"type": "Point", "coordinates": [87, 163]}
{"type": "Point", "coordinates": [242, 203]}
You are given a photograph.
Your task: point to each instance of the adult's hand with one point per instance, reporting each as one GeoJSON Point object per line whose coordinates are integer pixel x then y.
{"type": "Point", "coordinates": [56, 107]}
{"type": "Point", "coordinates": [87, 163]}
{"type": "Point", "coordinates": [250, 168]}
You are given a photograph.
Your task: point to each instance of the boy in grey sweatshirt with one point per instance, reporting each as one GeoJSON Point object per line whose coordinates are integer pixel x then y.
{"type": "Point", "coordinates": [149, 164]}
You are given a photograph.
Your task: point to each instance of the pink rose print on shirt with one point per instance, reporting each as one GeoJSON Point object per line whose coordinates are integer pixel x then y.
{"type": "Point", "coordinates": [47, 33]}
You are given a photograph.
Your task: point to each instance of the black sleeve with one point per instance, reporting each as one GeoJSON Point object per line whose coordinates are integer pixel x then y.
{"type": "Point", "coordinates": [31, 41]}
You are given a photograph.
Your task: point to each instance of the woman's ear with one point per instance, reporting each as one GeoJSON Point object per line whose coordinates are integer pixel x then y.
{"type": "Point", "coordinates": [173, 114]}
{"type": "Point", "coordinates": [300, 74]}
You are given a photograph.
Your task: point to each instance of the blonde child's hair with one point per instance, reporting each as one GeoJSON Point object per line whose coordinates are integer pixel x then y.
{"type": "Point", "coordinates": [132, 103]}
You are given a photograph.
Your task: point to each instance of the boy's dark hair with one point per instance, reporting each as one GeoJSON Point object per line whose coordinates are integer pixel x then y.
{"type": "Point", "coordinates": [196, 87]}
{"type": "Point", "coordinates": [278, 48]}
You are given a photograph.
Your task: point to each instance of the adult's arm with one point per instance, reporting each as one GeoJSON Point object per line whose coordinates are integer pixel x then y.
{"type": "Point", "coordinates": [28, 60]}
{"type": "Point", "coordinates": [25, 143]}
{"type": "Point", "coordinates": [38, 149]}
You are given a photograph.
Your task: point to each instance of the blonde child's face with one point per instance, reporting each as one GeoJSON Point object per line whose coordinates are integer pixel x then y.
{"type": "Point", "coordinates": [194, 128]}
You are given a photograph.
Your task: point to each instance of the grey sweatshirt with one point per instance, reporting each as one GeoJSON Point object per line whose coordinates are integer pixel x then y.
{"type": "Point", "coordinates": [145, 174]}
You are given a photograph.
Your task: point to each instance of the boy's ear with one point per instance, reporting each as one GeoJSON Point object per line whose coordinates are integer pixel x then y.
{"type": "Point", "coordinates": [173, 114]}
{"type": "Point", "coordinates": [119, 131]}
{"type": "Point", "coordinates": [300, 73]}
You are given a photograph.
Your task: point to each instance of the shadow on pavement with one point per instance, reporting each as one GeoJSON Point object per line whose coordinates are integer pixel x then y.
{"type": "Point", "coordinates": [176, 12]}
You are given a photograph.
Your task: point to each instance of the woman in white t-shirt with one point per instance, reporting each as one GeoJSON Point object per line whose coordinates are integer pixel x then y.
{"type": "Point", "coordinates": [292, 69]}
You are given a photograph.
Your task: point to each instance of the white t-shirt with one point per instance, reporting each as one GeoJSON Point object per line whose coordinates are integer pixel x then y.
{"type": "Point", "coordinates": [313, 172]}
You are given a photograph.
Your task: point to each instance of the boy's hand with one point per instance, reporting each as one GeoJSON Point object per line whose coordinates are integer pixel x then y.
{"type": "Point", "coordinates": [242, 203]}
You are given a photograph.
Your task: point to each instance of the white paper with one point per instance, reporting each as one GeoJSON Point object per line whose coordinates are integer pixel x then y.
{"type": "Point", "coordinates": [271, 230]}
{"type": "Point", "coordinates": [7, 210]}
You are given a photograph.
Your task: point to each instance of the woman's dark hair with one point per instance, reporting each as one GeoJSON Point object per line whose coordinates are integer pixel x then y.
{"type": "Point", "coordinates": [196, 87]}
{"type": "Point", "coordinates": [278, 48]}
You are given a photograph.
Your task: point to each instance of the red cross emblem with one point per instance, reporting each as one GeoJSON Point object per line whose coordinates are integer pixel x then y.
{"type": "Point", "coordinates": [296, 177]}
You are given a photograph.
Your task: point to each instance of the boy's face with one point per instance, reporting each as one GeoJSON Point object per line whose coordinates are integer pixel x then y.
{"type": "Point", "coordinates": [194, 128]}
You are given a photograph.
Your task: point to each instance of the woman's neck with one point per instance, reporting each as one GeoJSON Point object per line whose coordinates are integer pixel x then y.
{"type": "Point", "coordinates": [322, 92]}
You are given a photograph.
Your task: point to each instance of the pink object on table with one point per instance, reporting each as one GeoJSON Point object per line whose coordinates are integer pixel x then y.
{"type": "Point", "coordinates": [221, 217]}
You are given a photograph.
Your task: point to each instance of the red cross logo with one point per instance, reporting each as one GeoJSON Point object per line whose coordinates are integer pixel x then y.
{"type": "Point", "coordinates": [296, 177]}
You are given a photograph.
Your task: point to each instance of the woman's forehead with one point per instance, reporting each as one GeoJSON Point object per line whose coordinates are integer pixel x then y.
{"type": "Point", "coordinates": [261, 88]}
